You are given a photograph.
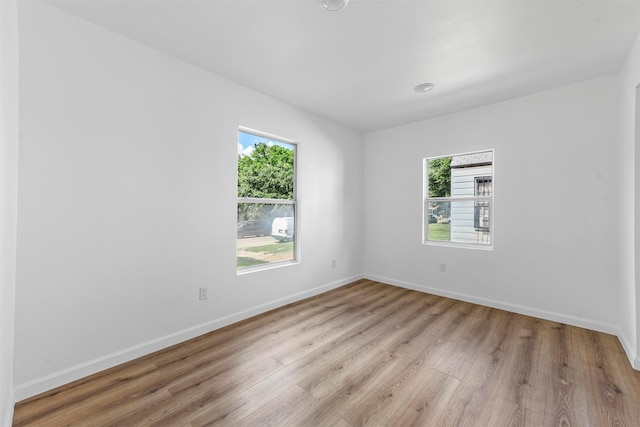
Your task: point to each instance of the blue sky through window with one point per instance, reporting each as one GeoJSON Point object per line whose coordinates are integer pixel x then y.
{"type": "Point", "coordinates": [247, 141]}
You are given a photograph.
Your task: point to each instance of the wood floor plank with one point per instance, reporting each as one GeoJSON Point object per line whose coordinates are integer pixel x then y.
{"type": "Point", "coordinates": [197, 395]}
{"type": "Point", "coordinates": [565, 403]}
{"type": "Point", "coordinates": [68, 405]}
{"type": "Point", "coordinates": [361, 343]}
{"type": "Point", "coordinates": [469, 405]}
{"type": "Point", "coordinates": [363, 354]}
{"type": "Point", "coordinates": [388, 392]}
{"type": "Point", "coordinates": [357, 315]}
{"type": "Point", "coordinates": [274, 412]}
{"type": "Point", "coordinates": [125, 411]}
{"type": "Point", "coordinates": [607, 392]}
{"type": "Point", "coordinates": [237, 406]}
{"type": "Point", "coordinates": [519, 371]}
{"type": "Point", "coordinates": [512, 414]}
{"type": "Point", "coordinates": [429, 401]}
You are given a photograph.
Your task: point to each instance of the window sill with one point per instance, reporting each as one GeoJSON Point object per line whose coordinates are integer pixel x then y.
{"type": "Point", "coordinates": [262, 267]}
{"type": "Point", "coordinates": [458, 245]}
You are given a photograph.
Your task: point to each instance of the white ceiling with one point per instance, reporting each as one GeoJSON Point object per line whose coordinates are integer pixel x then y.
{"type": "Point", "coordinates": [359, 66]}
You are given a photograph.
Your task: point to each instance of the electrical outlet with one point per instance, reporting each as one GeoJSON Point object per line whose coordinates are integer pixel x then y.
{"type": "Point", "coordinates": [333, 263]}
{"type": "Point", "coordinates": [443, 267]}
{"type": "Point", "coordinates": [204, 292]}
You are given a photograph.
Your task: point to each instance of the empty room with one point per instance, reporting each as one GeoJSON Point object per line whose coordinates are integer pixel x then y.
{"type": "Point", "coordinates": [319, 213]}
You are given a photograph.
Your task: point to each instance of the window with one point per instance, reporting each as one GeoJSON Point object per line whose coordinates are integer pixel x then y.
{"type": "Point", "coordinates": [266, 201]}
{"type": "Point", "coordinates": [458, 200]}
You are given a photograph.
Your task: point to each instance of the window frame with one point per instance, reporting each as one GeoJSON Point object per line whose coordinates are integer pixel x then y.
{"type": "Point", "coordinates": [259, 200]}
{"type": "Point", "coordinates": [484, 200]}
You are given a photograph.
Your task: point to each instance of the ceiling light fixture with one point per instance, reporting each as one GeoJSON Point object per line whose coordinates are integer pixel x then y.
{"type": "Point", "coordinates": [424, 87]}
{"type": "Point", "coordinates": [333, 5]}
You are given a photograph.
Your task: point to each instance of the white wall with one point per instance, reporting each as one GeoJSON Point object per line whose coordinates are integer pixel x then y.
{"type": "Point", "coordinates": [128, 201]}
{"type": "Point", "coordinates": [629, 207]}
{"type": "Point", "coordinates": [555, 186]}
{"type": "Point", "coordinates": [8, 202]}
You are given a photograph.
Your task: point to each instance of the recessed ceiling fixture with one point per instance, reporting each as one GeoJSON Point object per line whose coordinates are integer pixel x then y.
{"type": "Point", "coordinates": [424, 87]}
{"type": "Point", "coordinates": [333, 5]}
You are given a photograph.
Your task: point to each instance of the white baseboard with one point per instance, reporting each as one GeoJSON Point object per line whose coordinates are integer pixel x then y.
{"type": "Point", "coordinates": [7, 419]}
{"type": "Point", "coordinates": [528, 311]}
{"type": "Point", "coordinates": [40, 385]}
{"type": "Point", "coordinates": [629, 351]}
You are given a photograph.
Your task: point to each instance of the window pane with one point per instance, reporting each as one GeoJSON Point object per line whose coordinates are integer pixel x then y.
{"type": "Point", "coordinates": [265, 167]}
{"type": "Point", "coordinates": [439, 171]}
{"type": "Point", "coordinates": [439, 221]}
{"type": "Point", "coordinates": [464, 221]}
{"type": "Point", "coordinates": [266, 233]}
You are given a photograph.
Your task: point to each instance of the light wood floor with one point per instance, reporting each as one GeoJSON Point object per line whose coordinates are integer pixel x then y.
{"type": "Point", "coordinates": [364, 354]}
